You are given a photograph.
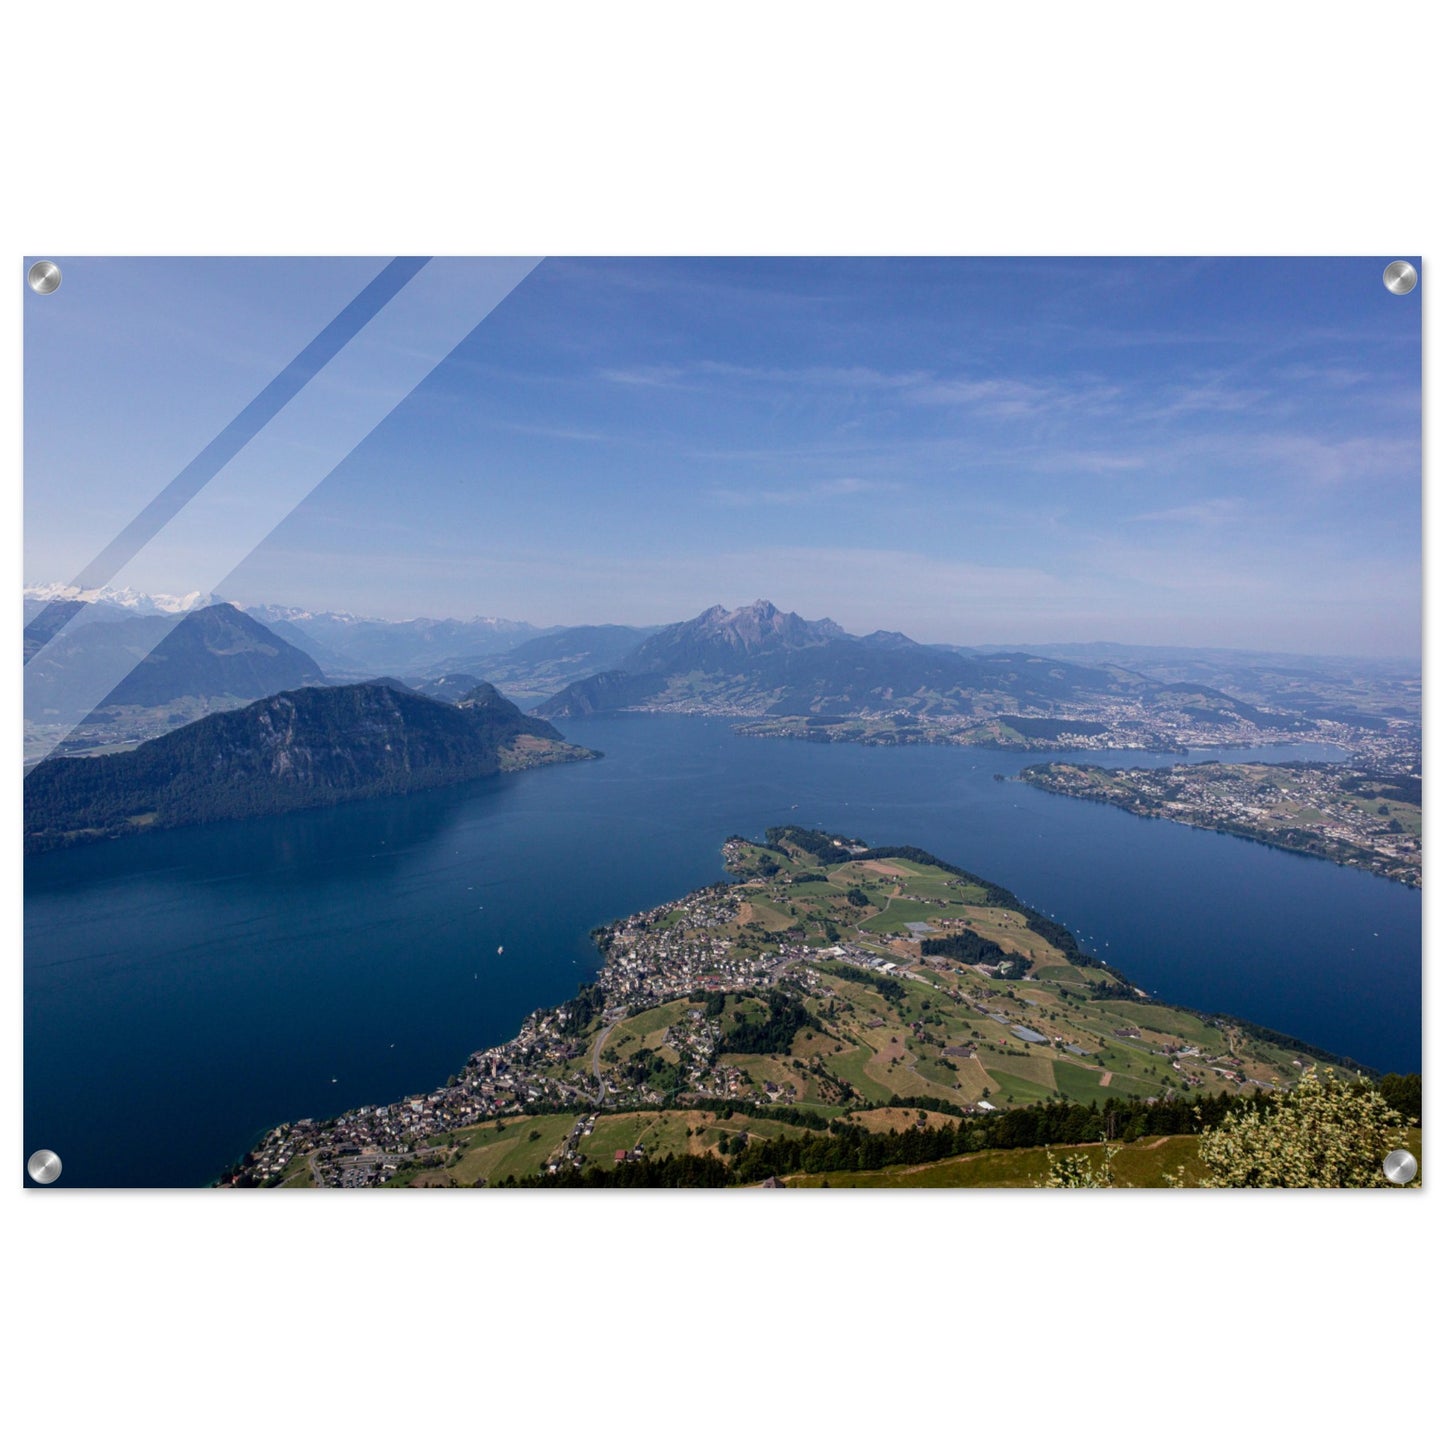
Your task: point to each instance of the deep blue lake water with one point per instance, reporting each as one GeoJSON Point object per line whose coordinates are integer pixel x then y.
{"type": "Point", "coordinates": [186, 991]}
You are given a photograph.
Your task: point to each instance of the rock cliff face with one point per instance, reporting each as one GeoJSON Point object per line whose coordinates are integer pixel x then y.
{"type": "Point", "coordinates": [299, 749]}
{"type": "Point", "coordinates": [330, 739]}
{"type": "Point", "coordinates": [718, 638]}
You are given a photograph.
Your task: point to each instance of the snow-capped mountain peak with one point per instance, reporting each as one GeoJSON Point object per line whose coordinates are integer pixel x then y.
{"type": "Point", "coordinates": [147, 603]}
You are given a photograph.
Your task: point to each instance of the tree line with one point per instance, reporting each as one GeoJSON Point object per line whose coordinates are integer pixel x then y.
{"type": "Point", "coordinates": [844, 1146]}
{"type": "Point", "coordinates": [966, 946]}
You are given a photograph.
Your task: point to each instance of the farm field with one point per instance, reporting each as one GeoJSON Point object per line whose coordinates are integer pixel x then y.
{"type": "Point", "coordinates": [884, 1011]}
{"type": "Point", "coordinates": [773, 1008]}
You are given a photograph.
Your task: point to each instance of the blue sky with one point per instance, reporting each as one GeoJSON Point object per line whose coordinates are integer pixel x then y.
{"type": "Point", "coordinates": [1211, 453]}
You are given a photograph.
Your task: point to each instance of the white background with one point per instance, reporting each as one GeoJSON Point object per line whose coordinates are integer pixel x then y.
{"type": "Point", "coordinates": [379, 129]}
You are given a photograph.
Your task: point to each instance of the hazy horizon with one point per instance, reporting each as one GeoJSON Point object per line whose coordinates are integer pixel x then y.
{"type": "Point", "coordinates": [1179, 453]}
{"type": "Point", "coordinates": [994, 644]}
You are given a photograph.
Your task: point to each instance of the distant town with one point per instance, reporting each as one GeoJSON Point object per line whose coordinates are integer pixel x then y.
{"type": "Point", "coordinates": [1364, 818]}
{"type": "Point", "coordinates": [1104, 726]}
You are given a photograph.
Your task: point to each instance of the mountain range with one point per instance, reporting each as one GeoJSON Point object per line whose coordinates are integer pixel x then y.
{"type": "Point", "coordinates": [364, 646]}
{"type": "Point", "coordinates": [123, 599]}
{"type": "Point", "coordinates": [273, 734]}
{"type": "Point", "coordinates": [758, 661]}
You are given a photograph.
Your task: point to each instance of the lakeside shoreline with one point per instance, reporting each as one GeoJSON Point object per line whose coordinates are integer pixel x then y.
{"type": "Point", "coordinates": [549, 1067]}
{"type": "Point", "coordinates": [1391, 853]}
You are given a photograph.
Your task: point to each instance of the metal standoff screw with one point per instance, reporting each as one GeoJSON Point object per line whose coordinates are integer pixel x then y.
{"type": "Point", "coordinates": [1400, 277]}
{"type": "Point", "coordinates": [44, 277]}
{"type": "Point", "coordinates": [1400, 1166]}
{"type": "Point", "coordinates": [43, 1166]}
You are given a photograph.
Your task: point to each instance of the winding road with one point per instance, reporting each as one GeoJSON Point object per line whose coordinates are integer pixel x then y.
{"type": "Point", "coordinates": [597, 1058]}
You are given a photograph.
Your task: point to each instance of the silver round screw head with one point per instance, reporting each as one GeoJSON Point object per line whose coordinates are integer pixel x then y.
{"type": "Point", "coordinates": [1400, 277]}
{"type": "Point", "coordinates": [44, 277]}
{"type": "Point", "coordinates": [1400, 1166]}
{"type": "Point", "coordinates": [43, 1166]}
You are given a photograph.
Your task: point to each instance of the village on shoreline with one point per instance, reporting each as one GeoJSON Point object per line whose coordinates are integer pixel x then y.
{"type": "Point", "coordinates": [792, 988]}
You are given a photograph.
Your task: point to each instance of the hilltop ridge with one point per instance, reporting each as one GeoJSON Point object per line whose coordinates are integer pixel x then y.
{"type": "Point", "coordinates": [306, 748]}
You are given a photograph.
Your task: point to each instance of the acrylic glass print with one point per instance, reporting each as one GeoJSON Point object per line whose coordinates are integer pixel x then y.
{"type": "Point", "coordinates": [722, 723]}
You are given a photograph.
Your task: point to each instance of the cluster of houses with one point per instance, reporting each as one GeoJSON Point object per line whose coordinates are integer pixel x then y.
{"type": "Point", "coordinates": [654, 956]}
{"type": "Point", "coordinates": [650, 958]}
{"type": "Point", "coordinates": [555, 1062]}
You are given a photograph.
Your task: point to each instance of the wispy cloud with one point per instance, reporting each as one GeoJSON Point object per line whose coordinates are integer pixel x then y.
{"type": "Point", "coordinates": [1206, 397]}
{"type": "Point", "coordinates": [1338, 377]}
{"type": "Point", "coordinates": [1013, 397]}
{"type": "Point", "coordinates": [1327, 465]}
{"type": "Point", "coordinates": [643, 375]}
{"type": "Point", "coordinates": [1211, 512]}
{"type": "Point", "coordinates": [559, 433]}
{"type": "Point", "coordinates": [960, 451]}
{"type": "Point", "coordinates": [852, 378]}
{"type": "Point", "coordinates": [824, 491]}
{"type": "Point", "coordinates": [1070, 460]}
{"type": "Point", "coordinates": [1245, 573]}
{"type": "Point", "coordinates": [991, 396]}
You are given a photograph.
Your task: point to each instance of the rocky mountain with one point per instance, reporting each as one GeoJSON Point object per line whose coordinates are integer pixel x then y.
{"type": "Point", "coordinates": [760, 661]}
{"type": "Point", "coordinates": [151, 660]}
{"type": "Point", "coordinates": [345, 644]}
{"type": "Point", "coordinates": [305, 748]}
{"type": "Point", "coordinates": [719, 641]}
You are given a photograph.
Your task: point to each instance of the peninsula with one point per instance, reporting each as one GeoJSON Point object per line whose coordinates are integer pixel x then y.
{"type": "Point", "coordinates": [1361, 817]}
{"type": "Point", "coordinates": [831, 1001]}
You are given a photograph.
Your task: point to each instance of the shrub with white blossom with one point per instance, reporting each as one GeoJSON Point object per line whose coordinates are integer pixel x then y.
{"type": "Point", "coordinates": [1325, 1133]}
{"type": "Point", "coordinates": [1077, 1171]}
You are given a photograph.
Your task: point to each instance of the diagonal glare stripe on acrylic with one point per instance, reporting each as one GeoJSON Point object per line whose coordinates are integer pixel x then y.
{"type": "Point", "coordinates": [227, 443]}
{"type": "Point", "coordinates": [310, 438]}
